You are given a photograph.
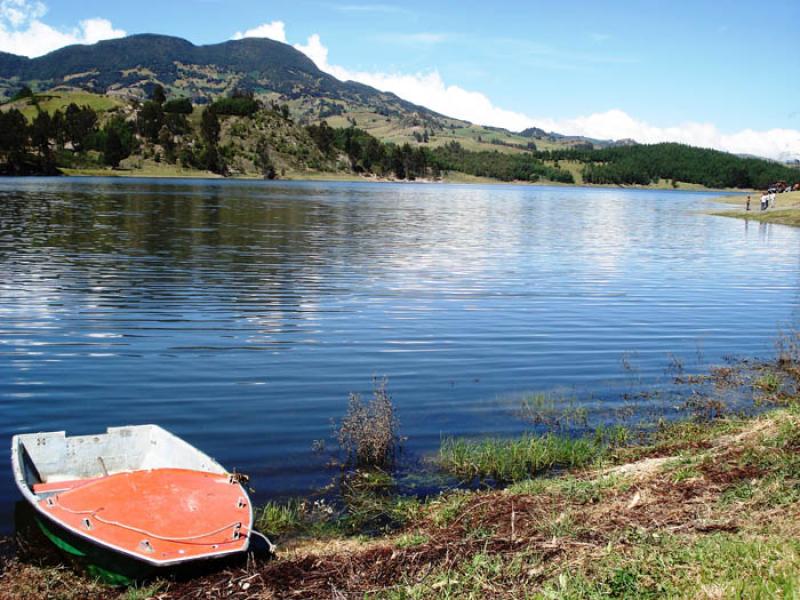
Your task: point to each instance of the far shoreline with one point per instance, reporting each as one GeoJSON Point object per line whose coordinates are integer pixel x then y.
{"type": "Point", "coordinates": [787, 211]}
{"type": "Point", "coordinates": [324, 177]}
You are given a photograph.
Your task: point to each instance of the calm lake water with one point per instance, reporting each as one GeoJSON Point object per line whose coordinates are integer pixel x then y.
{"type": "Point", "coordinates": [241, 314]}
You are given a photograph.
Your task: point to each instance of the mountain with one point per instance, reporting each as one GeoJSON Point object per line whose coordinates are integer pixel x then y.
{"type": "Point", "coordinates": [574, 141]}
{"type": "Point", "coordinates": [129, 68]}
{"type": "Point", "coordinates": [132, 65]}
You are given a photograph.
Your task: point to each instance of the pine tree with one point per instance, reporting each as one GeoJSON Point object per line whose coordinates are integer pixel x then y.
{"type": "Point", "coordinates": [113, 153]}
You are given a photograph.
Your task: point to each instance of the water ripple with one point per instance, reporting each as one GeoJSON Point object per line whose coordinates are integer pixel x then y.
{"type": "Point", "coordinates": [241, 315]}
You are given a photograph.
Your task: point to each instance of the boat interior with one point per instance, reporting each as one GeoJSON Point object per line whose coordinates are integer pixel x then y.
{"type": "Point", "coordinates": [49, 463]}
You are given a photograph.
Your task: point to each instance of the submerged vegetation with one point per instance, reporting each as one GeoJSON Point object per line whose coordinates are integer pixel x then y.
{"type": "Point", "coordinates": [504, 460]}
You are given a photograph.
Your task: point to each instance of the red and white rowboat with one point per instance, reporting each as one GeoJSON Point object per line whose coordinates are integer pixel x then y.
{"type": "Point", "coordinates": [138, 492]}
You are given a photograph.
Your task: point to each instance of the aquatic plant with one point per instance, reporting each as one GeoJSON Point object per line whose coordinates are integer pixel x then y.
{"type": "Point", "coordinates": [277, 518]}
{"type": "Point", "coordinates": [555, 413]}
{"type": "Point", "coordinates": [510, 460]}
{"type": "Point", "coordinates": [769, 382]}
{"type": "Point", "coordinates": [368, 434]}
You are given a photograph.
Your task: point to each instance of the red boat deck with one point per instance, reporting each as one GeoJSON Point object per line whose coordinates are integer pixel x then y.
{"type": "Point", "coordinates": [161, 515]}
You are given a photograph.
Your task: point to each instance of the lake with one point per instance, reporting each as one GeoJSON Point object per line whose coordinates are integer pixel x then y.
{"type": "Point", "coordinates": [240, 315]}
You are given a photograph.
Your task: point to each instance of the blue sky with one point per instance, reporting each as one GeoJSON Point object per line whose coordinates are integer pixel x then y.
{"type": "Point", "coordinates": [720, 73]}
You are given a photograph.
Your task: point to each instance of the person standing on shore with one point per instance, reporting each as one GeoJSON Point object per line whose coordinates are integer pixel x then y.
{"type": "Point", "coordinates": [748, 203]}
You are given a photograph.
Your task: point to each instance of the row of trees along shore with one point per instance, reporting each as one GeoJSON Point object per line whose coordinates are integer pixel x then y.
{"type": "Point", "coordinates": [68, 138]}
{"type": "Point", "coordinates": [367, 154]}
{"type": "Point", "coordinates": [162, 128]}
{"type": "Point", "coordinates": [623, 165]}
{"type": "Point", "coordinates": [645, 164]}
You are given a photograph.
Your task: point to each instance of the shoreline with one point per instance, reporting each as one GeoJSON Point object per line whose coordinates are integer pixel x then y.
{"type": "Point", "coordinates": [327, 177]}
{"type": "Point", "coordinates": [786, 213]}
{"type": "Point", "coordinates": [714, 496]}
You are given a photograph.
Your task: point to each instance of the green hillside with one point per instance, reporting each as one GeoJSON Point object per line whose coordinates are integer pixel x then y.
{"type": "Point", "coordinates": [242, 135]}
{"type": "Point", "coordinates": [129, 68]}
{"type": "Point", "coordinates": [59, 99]}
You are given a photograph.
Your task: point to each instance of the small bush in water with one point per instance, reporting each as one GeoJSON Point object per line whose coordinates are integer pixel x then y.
{"type": "Point", "coordinates": [368, 433]}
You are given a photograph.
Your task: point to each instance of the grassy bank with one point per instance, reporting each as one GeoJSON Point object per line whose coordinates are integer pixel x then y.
{"type": "Point", "coordinates": [787, 211]}
{"type": "Point", "coordinates": [704, 508]}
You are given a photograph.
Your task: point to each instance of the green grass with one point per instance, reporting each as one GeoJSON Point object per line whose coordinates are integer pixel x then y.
{"type": "Point", "coordinates": [683, 469]}
{"type": "Point", "coordinates": [769, 382]}
{"type": "Point", "coordinates": [411, 540]}
{"type": "Point", "coordinates": [145, 592]}
{"type": "Point", "coordinates": [715, 566]}
{"type": "Point", "coordinates": [789, 216]}
{"type": "Point", "coordinates": [367, 505]}
{"type": "Point", "coordinates": [59, 100]}
{"type": "Point", "coordinates": [554, 412]}
{"type": "Point", "coordinates": [779, 459]}
{"type": "Point", "coordinates": [512, 460]}
{"type": "Point", "coordinates": [646, 566]}
{"type": "Point", "coordinates": [481, 576]}
{"type": "Point", "coordinates": [446, 508]}
{"type": "Point", "coordinates": [137, 167]}
{"type": "Point", "coordinates": [275, 518]}
{"type": "Point", "coordinates": [582, 491]}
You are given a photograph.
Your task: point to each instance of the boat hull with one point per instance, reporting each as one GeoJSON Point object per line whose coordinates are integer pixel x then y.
{"type": "Point", "coordinates": [111, 567]}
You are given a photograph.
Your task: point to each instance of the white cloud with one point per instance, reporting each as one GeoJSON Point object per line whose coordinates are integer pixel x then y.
{"type": "Point", "coordinates": [616, 124]}
{"type": "Point", "coordinates": [318, 53]}
{"type": "Point", "coordinates": [430, 90]}
{"type": "Point", "coordinates": [96, 30]}
{"type": "Point", "coordinates": [17, 12]}
{"type": "Point", "coordinates": [22, 31]}
{"type": "Point", "coordinates": [274, 31]}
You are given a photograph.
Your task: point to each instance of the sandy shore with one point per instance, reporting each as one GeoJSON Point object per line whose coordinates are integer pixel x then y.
{"type": "Point", "coordinates": [785, 212]}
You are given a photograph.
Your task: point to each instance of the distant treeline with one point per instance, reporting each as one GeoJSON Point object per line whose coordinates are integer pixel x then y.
{"type": "Point", "coordinates": [624, 165]}
{"type": "Point", "coordinates": [498, 165]}
{"type": "Point", "coordinates": [161, 128]}
{"type": "Point", "coordinates": [367, 154]}
{"type": "Point", "coordinates": [645, 164]}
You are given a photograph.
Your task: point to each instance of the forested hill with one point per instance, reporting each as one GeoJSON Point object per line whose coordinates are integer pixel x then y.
{"type": "Point", "coordinates": [645, 164]}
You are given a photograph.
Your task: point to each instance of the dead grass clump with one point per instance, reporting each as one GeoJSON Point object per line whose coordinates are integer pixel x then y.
{"type": "Point", "coordinates": [368, 434]}
{"type": "Point", "coordinates": [706, 410]}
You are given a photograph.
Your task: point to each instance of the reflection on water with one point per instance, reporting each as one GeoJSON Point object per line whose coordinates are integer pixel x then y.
{"type": "Point", "coordinates": [240, 315]}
